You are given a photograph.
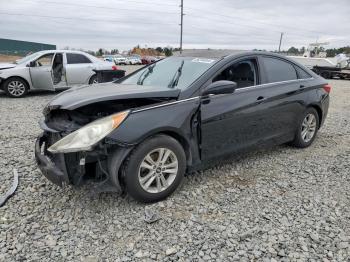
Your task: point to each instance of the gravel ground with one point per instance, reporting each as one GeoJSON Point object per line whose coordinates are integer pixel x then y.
{"type": "Point", "coordinates": [279, 204]}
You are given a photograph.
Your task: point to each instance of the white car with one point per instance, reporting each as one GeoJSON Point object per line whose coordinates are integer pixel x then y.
{"type": "Point", "coordinates": [50, 70]}
{"type": "Point", "coordinates": [120, 60]}
{"type": "Point", "coordinates": [133, 60]}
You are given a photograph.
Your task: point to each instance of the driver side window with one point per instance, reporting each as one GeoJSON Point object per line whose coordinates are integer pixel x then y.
{"type": "Point", "coordinates": [45, 60]}
{"type": "Point", "coordinates": [244, 73]}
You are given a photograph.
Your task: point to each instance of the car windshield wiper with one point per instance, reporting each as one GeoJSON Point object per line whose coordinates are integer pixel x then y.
{"type": "Point", "coordinates": [145, 74]}
{"type": "Point", "coordinates": [177, 75]}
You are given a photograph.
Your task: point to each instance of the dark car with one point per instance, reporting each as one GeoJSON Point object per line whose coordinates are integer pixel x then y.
{"type": "Point", "coordinates": [142, 133]}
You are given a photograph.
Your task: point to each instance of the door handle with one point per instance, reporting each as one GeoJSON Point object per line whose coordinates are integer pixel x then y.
{"type": "Point", "coordinates": [260, 98]}
{"type": "Point", "coordinates": [301, 86]}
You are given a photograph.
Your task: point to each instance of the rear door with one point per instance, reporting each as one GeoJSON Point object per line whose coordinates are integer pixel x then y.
{"type": "Point", "coordinates": [41, 72]}
{"type": "Point", "coordinates": [285, 96]}
{"type": "Point", "coordinates": [78, 69]}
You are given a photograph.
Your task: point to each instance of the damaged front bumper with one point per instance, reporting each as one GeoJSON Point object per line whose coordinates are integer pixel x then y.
{"type": "Point", "coordinates": [74, 168]}
{"type": "Point", "coordinates": [56, 172]}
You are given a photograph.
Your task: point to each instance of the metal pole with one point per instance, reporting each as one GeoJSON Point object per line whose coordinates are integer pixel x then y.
{"type": "Point", "coordinates": [182, 18]}
{"type": "Point", "coordinates": [279, 48]}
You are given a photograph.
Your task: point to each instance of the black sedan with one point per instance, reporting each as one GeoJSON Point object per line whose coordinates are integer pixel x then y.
{"type": "Point", "coordinates": [142, 133]}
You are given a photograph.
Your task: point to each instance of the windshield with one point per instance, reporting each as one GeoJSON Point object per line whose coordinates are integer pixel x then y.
{"type": "Point", "coordinates": [185, 70]}
{"type": "Point", "coordinates": [26, 58]}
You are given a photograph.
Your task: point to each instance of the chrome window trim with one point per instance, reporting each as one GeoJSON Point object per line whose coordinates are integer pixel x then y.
{"type": "Point", "coordinates": [275, 83]}
{"type": "Point", "coordinates": [166, 104]}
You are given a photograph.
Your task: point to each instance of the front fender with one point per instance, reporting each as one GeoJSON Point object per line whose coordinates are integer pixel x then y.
{"type": "Point", "coordinates": [177, 118]}
{"type": "Point", "coordinates": [22, 72]}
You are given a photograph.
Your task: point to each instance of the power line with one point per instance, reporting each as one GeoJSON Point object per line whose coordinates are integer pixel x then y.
{"type": "Point", "coordinates": [249, 26]}
{"type": "Point", "coordinates": [233, 35]}
{"type": "Point", "coordinates": [242, 18]}
{"type": "Point", "coordinates": [129, 1]}
{"type": "Point", "coordinates": [100, 7]}
{"type": "Point", "coordinates": [82, 18]}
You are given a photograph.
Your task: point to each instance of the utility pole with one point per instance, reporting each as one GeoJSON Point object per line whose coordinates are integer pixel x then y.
{"type": "Point", "coordinates": [279, 48]}
{"type": "Point", "coordinates": [182, 23]}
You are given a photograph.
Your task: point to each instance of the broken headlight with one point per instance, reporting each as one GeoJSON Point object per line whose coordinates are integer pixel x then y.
{"type": "Point", "coordinates": [86, 137]}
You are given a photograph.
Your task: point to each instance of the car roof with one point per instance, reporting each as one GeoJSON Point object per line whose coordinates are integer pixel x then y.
{"type": "Point", "coordinates": [221, 53]}
{"type": "Point", "coordinates": [62, 50]}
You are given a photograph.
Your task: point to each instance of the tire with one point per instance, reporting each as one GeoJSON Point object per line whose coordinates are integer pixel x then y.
{"type": "Point", "coordinates": [326, 75]}
{"type": "Point", "coordinates": [157, 190]}
{"type": "Point", "coordinates": [305, 138]}
{"type": "Point", "coordinates": [15, 87]}
{"type": "Point", "coordinates": [93, 80]}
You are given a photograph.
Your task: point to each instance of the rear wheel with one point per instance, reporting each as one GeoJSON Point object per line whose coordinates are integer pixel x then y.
{"type": "Point", "coordinates": [16, 87]}
{"type": "Point", "coordinates": [93, 80]}
{"type": "Point", "coordinates": [307, 129]}
{"type": "Point", "coordinates": [154, 169]}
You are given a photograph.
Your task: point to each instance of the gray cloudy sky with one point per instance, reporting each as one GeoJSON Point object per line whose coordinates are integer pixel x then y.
{"type": "Point", "coordinates": [234, 24]}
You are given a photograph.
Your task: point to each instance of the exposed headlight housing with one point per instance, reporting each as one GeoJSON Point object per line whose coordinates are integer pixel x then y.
{"type": "Point", "coordinates": [86, 137]}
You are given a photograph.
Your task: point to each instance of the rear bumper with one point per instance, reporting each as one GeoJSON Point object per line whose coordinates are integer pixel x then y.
{"type": "Point", "coordinates": [325, 106]}
{"type": "Point", "coordinates": [56, 174]}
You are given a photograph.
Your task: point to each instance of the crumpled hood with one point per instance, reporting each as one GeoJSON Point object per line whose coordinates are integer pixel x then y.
{"type": "Point", "coordinates": [85, 95]}
{"type": "Point", "coordinates": [6, 65]}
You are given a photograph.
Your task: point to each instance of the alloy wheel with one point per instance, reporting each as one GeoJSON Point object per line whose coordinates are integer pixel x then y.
{"type": "Point", "coordinates": [16, 88]}
{"type": "Point", "coordinates": [158, 170]}
{"type": "Point", "coordinates": [308, 127]}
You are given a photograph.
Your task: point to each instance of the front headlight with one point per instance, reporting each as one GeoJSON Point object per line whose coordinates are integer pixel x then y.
{"type": "Point", "coordinates": [86, 137]}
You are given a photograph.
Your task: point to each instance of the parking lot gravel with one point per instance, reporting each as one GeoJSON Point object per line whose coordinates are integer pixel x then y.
{"type": "Point", "coordinates": [277, 204]}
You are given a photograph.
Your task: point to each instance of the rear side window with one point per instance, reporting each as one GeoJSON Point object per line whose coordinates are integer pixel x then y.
{"type": "Point", "coordinates": [77, 59]}
{"type": "Point", "coordinates": [278, 70]}
{"type": "Point", "coordinates": [301, 73]}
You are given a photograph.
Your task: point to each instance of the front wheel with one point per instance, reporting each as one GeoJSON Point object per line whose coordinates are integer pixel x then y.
{"type": "Point", "coordinates": [16, 87]}
{"type": "Point", "coordinates": [307, 129]}
{"type": "Point", "coordinates": [154, 169]}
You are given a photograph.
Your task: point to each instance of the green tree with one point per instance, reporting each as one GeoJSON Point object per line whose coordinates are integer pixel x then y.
{"type": "Point", "coordinates": [99, 52]}
{"type": "Point", "coordinates": [293, 50]}
{"type": "Point", "coordinates": [159, 49]}
{"type": "Point", "coordinates": [114, 51]}
{"type": "Point", "coordinates": [168, 51]}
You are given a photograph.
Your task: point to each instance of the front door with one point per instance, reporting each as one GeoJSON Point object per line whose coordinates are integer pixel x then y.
{"type": "Point", "coordinates": [41, 72]}
{"type": "Point", "coordinates": [232, 122]}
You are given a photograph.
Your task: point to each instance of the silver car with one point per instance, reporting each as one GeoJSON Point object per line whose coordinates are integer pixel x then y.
{"type": "Point", "coordinates": [50, 70]}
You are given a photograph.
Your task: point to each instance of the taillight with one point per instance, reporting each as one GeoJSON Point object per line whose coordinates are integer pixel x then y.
{"type": "Point", "coordinates": [327, 88]}
{"type": "Point", "coordinates": [114, 67]}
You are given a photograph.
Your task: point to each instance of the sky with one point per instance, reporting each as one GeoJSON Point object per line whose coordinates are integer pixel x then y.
{"type": "Point", "coordinates": [221, 24]}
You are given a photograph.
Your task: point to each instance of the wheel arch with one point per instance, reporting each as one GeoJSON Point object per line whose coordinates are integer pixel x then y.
{"type": "Point", "coordinates": [20, 77]}
{"type": "Point", "coordinates": [121, 156]}
{"type": "Point", "coordinates": [90, 78]}
{"type": "Point", "coordinates": [183, 142]}
{"type": "Point", "coordinates": [319, 112]}
{"type": "Point", "coordinates": [175, 135]}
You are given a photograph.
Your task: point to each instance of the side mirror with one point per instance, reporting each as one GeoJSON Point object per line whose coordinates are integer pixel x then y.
{"type": "Point", "coordinates": [31, 64]}
{"type": "Point", "coordinates": [220, 87]}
